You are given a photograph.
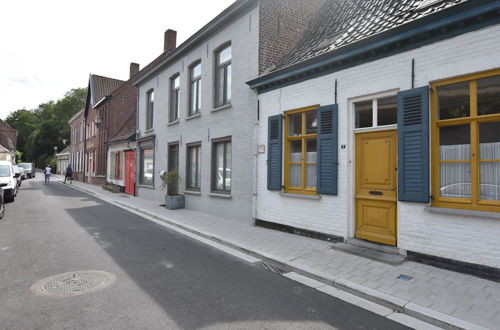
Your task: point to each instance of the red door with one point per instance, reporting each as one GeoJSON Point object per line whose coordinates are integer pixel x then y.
{"type": "Point", "coordinates": [129, 172]}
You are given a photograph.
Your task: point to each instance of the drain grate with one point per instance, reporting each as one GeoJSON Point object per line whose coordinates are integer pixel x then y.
{"type": "Point", "coordinates": [272, 268]}
{"type": "Point", "coordinates": [73, 283]}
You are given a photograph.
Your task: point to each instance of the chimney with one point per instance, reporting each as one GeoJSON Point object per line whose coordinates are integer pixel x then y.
{"type": "Point", "coordinates": [134, 68]}
{"type": "Point", "coordinates": [170, 41]}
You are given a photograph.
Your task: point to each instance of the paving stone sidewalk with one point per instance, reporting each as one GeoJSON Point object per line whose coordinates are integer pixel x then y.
{"type": "Point", "coordinates": [435, 295]}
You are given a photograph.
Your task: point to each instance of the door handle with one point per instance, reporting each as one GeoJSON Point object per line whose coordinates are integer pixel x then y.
{"type": "Point", "coordinates": [375, 193]}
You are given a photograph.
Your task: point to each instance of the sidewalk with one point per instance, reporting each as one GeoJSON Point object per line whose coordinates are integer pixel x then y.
{"type": "Point", "coordinates": [434, 295]}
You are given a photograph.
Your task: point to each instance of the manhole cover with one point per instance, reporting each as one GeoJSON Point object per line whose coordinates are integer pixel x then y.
{"type": "Point", "coordinates": [73, 283]}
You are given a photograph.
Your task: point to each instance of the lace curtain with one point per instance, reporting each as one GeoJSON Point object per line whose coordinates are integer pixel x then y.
{"type": "Point", "coordinates": [455, 178]}
{"type": "Point", "coordinates": [295, 172]}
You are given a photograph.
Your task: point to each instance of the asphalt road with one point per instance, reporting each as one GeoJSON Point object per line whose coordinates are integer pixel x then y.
{"type": "Point", "coordinates": [163, 279]}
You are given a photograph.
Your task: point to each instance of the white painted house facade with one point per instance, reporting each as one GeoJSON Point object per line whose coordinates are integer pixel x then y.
{"type": "Point", "coordinates": [196, 114]}
{"type": "Point", "coordinates": [436, 195]}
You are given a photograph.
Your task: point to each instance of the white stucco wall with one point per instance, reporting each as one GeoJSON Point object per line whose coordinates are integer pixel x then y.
{"type": "Point", "coordinates": [465, 238]}
{"type": "Point", "coordinates": [236, 121]}
{"type": "Point", "coordinates": [118, 146]}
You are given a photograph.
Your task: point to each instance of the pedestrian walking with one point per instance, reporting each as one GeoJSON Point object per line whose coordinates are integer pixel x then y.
{"type": "Point", "coordinates": [47, 171]}
{"type": "Point", "coordinates": [69, 174]}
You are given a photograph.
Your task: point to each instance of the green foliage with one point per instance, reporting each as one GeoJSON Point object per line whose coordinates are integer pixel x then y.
{"type": "Point", "coordinates": [40, 129]}
{"type": "Point", "coordinates": [19, 156]}
{"type": "Point", "coordinates": [170, 180]}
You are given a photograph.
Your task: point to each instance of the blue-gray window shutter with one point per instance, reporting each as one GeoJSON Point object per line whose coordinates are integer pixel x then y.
{"type": "Point", "coordinates": [327, 157]}
{"type": "Point", "coordinates": [413, 145]}
{"type": "Point", "coordinates": [274, 155]}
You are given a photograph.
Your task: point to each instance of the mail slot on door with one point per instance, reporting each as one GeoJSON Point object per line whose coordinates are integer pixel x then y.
{"type": "Point", "coordinates": [376, 193]}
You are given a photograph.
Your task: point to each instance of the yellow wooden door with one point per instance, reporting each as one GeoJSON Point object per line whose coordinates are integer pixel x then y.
{"type": "Point", "coordinates": [376, 186]}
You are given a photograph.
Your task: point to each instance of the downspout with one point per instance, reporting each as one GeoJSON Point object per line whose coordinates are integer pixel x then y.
{"type": "Point", "coordinates": [255, 156]}
{"type": "Point", "coordinates": [136, 156]}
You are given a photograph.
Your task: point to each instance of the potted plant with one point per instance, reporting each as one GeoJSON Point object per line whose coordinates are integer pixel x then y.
{"type": "Point", "coordinates": [173, 200]}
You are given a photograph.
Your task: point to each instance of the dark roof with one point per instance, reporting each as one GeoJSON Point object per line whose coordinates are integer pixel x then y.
{"type": "Point", "coordinates": [102, 86]}
{"type": "Point", "coordinates": [127, 129]}
{"type": "Point", "coordinates": [344, 22]}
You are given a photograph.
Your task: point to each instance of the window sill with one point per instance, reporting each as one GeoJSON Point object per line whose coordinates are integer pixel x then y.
{"type": "Point", "coordinates": [304, 196]}
{"type": "Point", "coordinates": [192, 192]}
{"type": "Point", "coordinates": [220, 195]}
{"type": "Point", "coordinates": [196, 115]}
{"type": "Point", "coordinates": [148, 131]}
{"type": "Point", "coordinates": [173, 122]}
{"type": "Point", "coordinates": [461, 212]}
{"type": "Point", "coordinates": [222, 107]}
{"type": "Point", "coordinates": [145, 186]}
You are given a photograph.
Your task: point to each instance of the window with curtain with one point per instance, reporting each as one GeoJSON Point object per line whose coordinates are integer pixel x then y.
{"type": "Point", "coordinates": [301, 151]}
{"type": "Point", "coordinates": [150, 97]}
{"type": "Point", "coordinates": [195, 89]}
{"type": "Point", "coordinates": [222, 86]}
{"type": "Point", "coordinates": [466, 152]}
{"type": "Point", "coordinates": [175, 84]}
{"type": "Point", "coordinates": [193, 177]}
{"type": "Point", "coordinates": [221, 166]}
{"type": "Point", "coordinates": [146, 174]}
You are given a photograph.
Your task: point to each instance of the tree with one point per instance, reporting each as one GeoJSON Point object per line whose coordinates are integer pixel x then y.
{"type": "Point", "coordinates": [39, 130]}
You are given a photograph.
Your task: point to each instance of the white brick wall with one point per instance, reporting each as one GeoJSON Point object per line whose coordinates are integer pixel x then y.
{"type": "Point", "coordinates": [465, 238]}
{"type": "Point", "coordinates": [236, 121]}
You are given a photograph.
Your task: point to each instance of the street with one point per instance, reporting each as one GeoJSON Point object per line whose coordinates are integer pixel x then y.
{"type": "Point", "coordinates": [159, 278]}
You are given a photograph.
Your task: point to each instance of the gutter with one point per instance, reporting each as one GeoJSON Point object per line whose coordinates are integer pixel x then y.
{"type": "Point", "coordinates": [210, 28]}
{"type": "Point", "coordinates": [444, 24]}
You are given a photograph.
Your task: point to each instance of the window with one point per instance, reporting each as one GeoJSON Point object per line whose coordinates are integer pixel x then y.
{"type": "Point", "coordinates": [115, 168]}
{"type": "Point", "coordinates": [150, 98]}
{"type": "Point", "coordinates": [375, 113]}
{"type": "Point", "coordinates": [146, 176]}
{"type": "Point", "coordinates": [301, 150]}
{"type": "Point", "coordinates": [193, 177]}
{"type": "Point", "coordinates": [175, 83]}
{"type": "Point", "coordinates": [195, 89]}
{"type": "Point", "coordinates": [221, 166]}
{"type": "Point", "coordinates": [466, 142]}
{"type": "Point", "coordinates": [223, 76]}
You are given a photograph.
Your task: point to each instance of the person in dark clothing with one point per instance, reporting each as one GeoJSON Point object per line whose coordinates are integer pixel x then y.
{"type": "Point", "coordinates": [69, 174]}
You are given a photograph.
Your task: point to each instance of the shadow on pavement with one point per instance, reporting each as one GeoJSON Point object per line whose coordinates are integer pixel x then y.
{"type": "Point", "coordinates": [199, 286]}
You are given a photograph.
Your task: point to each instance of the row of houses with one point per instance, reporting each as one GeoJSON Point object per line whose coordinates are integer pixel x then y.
{"type": "Point", "coordinates": [347, 120]}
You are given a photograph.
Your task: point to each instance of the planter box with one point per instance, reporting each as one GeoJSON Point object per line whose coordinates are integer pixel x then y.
{"type": "Point", "coordinates": [175, 202]}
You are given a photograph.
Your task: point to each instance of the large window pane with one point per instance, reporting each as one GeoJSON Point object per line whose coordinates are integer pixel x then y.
{"type": "Point", "coordinates": [311, 122]}
{"type": "Point", "coordinates": [453, 101]}
{"type": "Point", "coordinates": [489, 188]}
{"type": "Point", "coordinates": [311, 173]}
{"type": "Point", "coordinates": [455, 180]}
{"type": "Point", "coordinates": [489, 140]}
{"type": "Point", "coordinates": [295, 124]}
{"type": "Point", "coordinates": [147, 167]}
{"type": "Point", "coordinates": [454, 142]}
{"type": "Point", "coordinates": [296, 151]}
{"type": "Point", "coordinates": [225, 55]}
{"type": "Point", "coordinates": [295, 176]}
{"type": "Point", "coordinates": [488, 95]}
{"type": "Point", "coordinates": [227, 179]}
{"type": "Point", "coordinates": [219, 87]}
{"type": "Point", "coordinates": [364, 114]}
{"type": "Point", "coordinates": [228, 83]}
{"type": "Point", "coordinates": [387, 111]}
{"type": "Point", "coordinates": [194, 167]}
{"type": "Point", "coordinates": [219, 166]}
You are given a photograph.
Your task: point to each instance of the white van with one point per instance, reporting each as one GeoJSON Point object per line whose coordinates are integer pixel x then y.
{"type": "Point", "coordinates": [8, 180]}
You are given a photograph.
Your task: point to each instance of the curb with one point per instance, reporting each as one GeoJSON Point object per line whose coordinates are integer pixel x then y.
{"type": "Point", "coordinates": [397, 304]}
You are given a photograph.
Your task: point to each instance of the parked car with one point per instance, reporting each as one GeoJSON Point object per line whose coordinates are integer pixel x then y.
{"type": "Point", "coordinates": [2, 205]}
{"type": "Point", "coordinates": [23, 172]}
{"type": "Point", "coordinates": [8, 180]}
{"type": "Point", "coordinates": [29, 169]}
{"type": "Point", "coordinates": [18, 170]}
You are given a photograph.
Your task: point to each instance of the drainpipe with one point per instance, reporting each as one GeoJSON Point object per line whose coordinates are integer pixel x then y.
{"type": "Point", "coordinates": [255, 155]}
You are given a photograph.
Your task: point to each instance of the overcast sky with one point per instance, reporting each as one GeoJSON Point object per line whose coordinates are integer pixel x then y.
{"type": "Point", "coordinates": [48, 47]}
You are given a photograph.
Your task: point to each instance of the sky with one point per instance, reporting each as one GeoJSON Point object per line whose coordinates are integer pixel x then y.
{"type": "Point", "coordinates": [48, 47]}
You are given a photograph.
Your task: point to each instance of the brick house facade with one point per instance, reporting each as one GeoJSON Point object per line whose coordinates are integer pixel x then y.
{"type": "Point", "coordinates": [77, 144]}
